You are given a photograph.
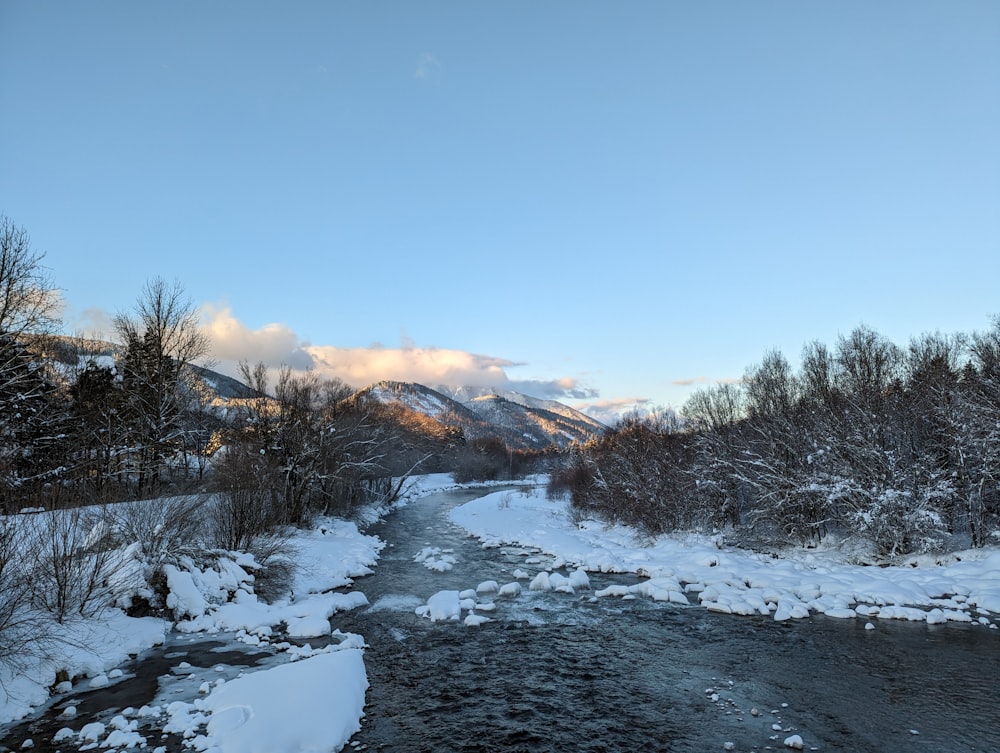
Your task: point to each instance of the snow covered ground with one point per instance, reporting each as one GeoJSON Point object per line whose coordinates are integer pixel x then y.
{"type": "Point", "coordinates": [238, 715]}
{"type": "Point", "coordinates": [241, 713]}
{"type": "Point", "coordinates": [959, 587]}
{"type": "Point", "coordinates": [327, 686]}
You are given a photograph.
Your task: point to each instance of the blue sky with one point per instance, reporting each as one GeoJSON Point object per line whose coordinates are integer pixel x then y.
{"type": "Point", "coordinates": [613, 201]}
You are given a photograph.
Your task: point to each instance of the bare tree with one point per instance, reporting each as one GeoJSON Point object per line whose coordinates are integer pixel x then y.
{"type": "Point", "coordinates": [321, 447]}
{"type": "Point", "coordinates": [869, 364]}
{"type": "Point", "coordinates": [715, 408]}
{"type": "Point", "coordinates": [981, 412]}
{"type": "Point", "coordinates": [161, 338]}
{"type": "Point", "coordinates": [20, 626]}
{"type": "Point", "coordinates": [769, 387]}
{"type": "Point", "coordinates": [28, 306]}
{"type": "Point", "coordinates": [29, 301]}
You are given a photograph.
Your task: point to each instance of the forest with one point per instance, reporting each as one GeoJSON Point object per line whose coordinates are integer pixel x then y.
{"type": "Point", "coordinates": [895, 447]}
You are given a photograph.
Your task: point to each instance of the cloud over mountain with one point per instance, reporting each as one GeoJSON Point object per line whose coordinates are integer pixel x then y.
{"type": "Point", "coordinates": [277, 345]}
{"type": "Point", "coordinates": [232, 341]}
{"type": "Point", "coordinates": [609, 412]}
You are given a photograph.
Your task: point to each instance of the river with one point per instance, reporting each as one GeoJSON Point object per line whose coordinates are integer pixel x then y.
{"type": "Point", "coordinates": [560, 672]}
{"type": "Point", "coordinates": [557, 672]}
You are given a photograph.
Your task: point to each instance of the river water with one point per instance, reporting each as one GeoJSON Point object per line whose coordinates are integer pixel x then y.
{"type": "Point", "coordinates": [560, 672]}
{"type": "Point", "coordinates": [557, 672]}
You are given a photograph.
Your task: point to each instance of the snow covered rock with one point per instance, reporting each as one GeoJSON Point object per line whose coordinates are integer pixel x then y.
{"type": "Point", "coordinates": [540, 582]}
{"type": "Point", "coordinates": [510, 589]}
{"type": "Point", "coordinates": [444, 605]}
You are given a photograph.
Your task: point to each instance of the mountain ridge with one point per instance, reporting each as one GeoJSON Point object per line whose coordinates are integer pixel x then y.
{"type": "Point", "coordinates": [522, 421]}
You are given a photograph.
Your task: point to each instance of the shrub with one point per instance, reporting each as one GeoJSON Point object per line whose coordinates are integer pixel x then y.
{"type": "Point", "coordinates": [247, 514]}
{"type": "Point", "coordinates": [73, 563]}
{"type": "Point", "coordinates": [164, 529]}
{"type": "Point", "coordinates": [20, 628]}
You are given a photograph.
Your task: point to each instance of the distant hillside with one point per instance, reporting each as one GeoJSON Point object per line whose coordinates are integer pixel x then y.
{"type": "Point", "coordinates": [465, 395]}
{"type": "Point", "coordinates": [67, 354]}
{"type": "Point", "coordinates": [223, 386]}
{"type": "Point", "coordinates": [523, 422]}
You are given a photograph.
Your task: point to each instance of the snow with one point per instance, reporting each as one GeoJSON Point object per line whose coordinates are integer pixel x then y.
{"type": "Point", "coordinates": [685, 567]}
{"type": "Point", "coordinates": [89, 649]}
{"type": "Point", "coordinates": [323, 689]}
{"type": "Point", "coordinates": [444, 605]}
{"type": "Point", "coordinates": [436, 559]}
{"type": "Point", "coordinates": [324, 694]}
{"type": "Point", "coordinates": [510, 589]}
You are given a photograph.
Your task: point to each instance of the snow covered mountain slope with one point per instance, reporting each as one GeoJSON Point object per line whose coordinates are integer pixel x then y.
{"type": "Point", "coordinates": [521, 421]}
{"type": "Point", "coordinates": [537, 427]}
{"type": "Point", "coordinates": [466, 394]}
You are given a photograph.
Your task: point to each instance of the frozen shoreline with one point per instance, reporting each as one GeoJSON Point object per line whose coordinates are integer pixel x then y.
{"type": "Point", "coordinates": [221, 599]}
{"type": "Point", "coordinates": [802, 582]}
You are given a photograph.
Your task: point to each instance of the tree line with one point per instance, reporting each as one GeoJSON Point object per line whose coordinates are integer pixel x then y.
{"type": "Point", "coordinates": [80, 426]}
{"type": "Point", "coordinates": [896, 446]}
{"type": "Point", "coordinates": [128, 462]}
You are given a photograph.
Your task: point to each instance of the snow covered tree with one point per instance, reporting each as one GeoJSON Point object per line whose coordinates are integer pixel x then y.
{"type": "Point", "coordinates": [981, 447]}
{"type": "Point", "coordinates": [28, 299]}
{"type": "Point", "coordinates": [97, 401]}
{"type": "Point", "coordinates": [32, 427]}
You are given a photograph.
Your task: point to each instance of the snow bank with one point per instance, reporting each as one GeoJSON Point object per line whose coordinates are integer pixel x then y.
{"type": "Point", "coordinates": [308, 706]}
{"type": "Point", "coordinates": [684, 567]}
{"type": "Point", "coordinates": [329, 556]}
{"type": "Point", "coordinates": [83, 648]}
{"type": "Point", "coordinates": [210, 598]}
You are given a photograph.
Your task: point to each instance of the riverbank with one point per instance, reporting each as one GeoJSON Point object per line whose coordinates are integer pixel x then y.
{"type": "Point", "coordinates": [89, 653]}
{"type": "Point", "coordinates": [233, 712]}
{"type": "Point", "coordinates": [958, 587]}
{"type": "Point", "coordinates": [221, 600]}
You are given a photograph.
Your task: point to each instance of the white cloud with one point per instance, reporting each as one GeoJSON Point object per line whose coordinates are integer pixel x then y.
{"type": "Point", "coordinates": [232, 341]}
{"type": "Point", "coordinates": [427, 66]}
{"type": "Point", "coordinates": [277, 344]}
{"type": "Point", "coordinates": [609, 411]}
{"type": "Point", "coordinates": [360, 366]}
{"type": "Point", "coordinates": [93, 323]}
{"type": "Point", "coordinates": [691, 382]}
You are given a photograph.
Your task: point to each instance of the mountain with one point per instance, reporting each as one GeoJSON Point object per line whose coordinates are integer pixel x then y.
{"type": "Point", "coordinates": [534, 427]}
{"type": "Point", "coordinates": [221, 385]}
{"type": "Point", "coordinates": [467, 394]}
{"type": "Point", "coordinates": [523, 422]}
